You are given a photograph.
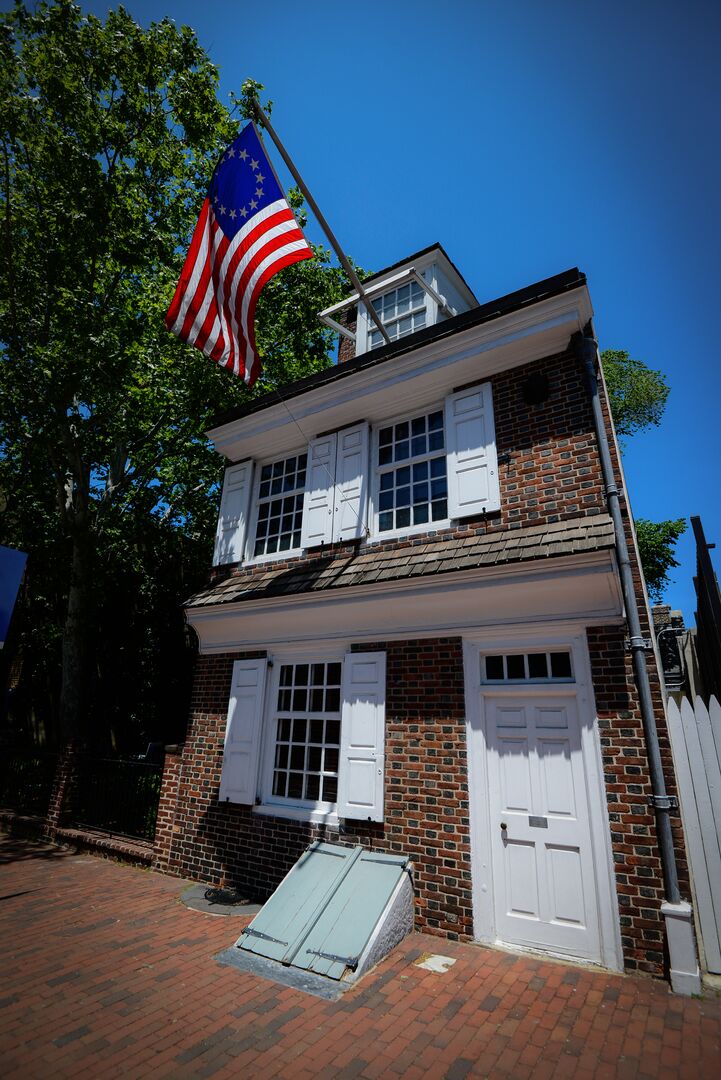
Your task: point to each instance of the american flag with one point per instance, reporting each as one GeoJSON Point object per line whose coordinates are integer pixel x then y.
{"type": "Point", "coordinates": [245, 234]}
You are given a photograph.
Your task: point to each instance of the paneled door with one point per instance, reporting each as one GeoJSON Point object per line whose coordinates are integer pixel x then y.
{"type": "Point", "coordinates": [544, 879]}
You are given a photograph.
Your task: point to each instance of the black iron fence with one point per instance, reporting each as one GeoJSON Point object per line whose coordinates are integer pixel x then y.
{"type": "Point", "coordinates": [118, 796]}
{"type": "Point", "coordinates": [26, 780]}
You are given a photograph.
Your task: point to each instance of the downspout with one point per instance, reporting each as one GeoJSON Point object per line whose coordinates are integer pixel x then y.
{"type": "Point", "coordinates": [587, 352]}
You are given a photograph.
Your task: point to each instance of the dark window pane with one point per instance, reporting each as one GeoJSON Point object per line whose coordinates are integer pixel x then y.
{"type": "Point", "coordinates": [312, 788]}
{"type": "Point", "coordinates": [316, 701]}
{"type": "Point", "coordinates": [418, 446]}
{"type": "Point", "coordinates": [420, 471]}
{"type": "Point", "coordinates": [332, 700]}
{"type": "Point", "coordinates": [385, 501]}
{"type": "Point", "coordinates": [317, 674]}
{"type": "Point", "coordinates": [301, 675]}
{"type": "Point", "coordinates": [537, 666]}
{"type": "Point", "coordinates": [263, 494]}
{"type": "Point", "coordinates": [402, 431]}
{"type": "Point", "coordinates": [284, 701]}
{"type": "Point", "coordinates": [402, 450]}
{"type": "Point", "coordinates": [258, 549]}
{"type": "Point", "coordinates": [332, 732]}
{"type": "Point", "coordinates": [297, 757]}
{"type": "Point", "coordinates": [278, 468]}
{"type": "Point", "coordinates": [435, 421]}
{"type": "Point", "coordinates": [300, 700]}
{"type": "Point", "coordinates": [403, 496]}
{"type": "Point", "coordinates": [333, 677]}
{"type": "Point", "coordinates": [266, 472]}
{"type": "Point", "coordinates": [295, 786]}
{"type": "Point", "coordinates": [299, 726]}
{"type": "Point", "coordinates": [420, 514]}
{"type": "Point", "coordinates": [385, 522]}
{"type": "Point", "coordinates": [279, 779]}
{"type": "Point", "coordinates": [331, 760]}
{"type": "Point", "coordinates": [403, 517]}
{"type": "Point", "coordinates": [438, 467]}
{"type": "Point", "coordinates": [418, 426]}
{"type": "Point", "coordinates": [385, 455]}
{"type": "Point", "coordinates": [387, 481]}
{"type": "Point", "coordinates": [561, 665]}
{"type": "Point", "coordinates": [284, 730]}
{"type": "Point", "coordinates": [302, 461]}
{"type": "Point", "coordinates": [315, 755]}
{"type": "Point", "coordinates": [272, 545]}
{"type": "Point", "coordinates": [281, 757]}
{"type": "Point", "coordinates": [516, 668]}
{"type": "Point", "coordinates": [276, 485]}
{"type": "Point", "coordinates": [420, 493]}
{"type": "Point", "coordinates": [435, 440]}
{"type": "Point", "coordinates": [439, 488]}
{"type": "Point", "coordinates": [316, 731]}
{"type": "Point", "coordinates": [284, 542]}
{"type": "Point", "coordinates": [494, 667]}
{"type": "Point", "coordinates": [385, 436]}
{"type": "Point", "coordinates": [286, 675]}
{"type": "Point", "coordinates": [330, 789]}
{"type": "Point", "coordinates": [439, 510]}
{"type": "Point", "coordinates": [403, 476]}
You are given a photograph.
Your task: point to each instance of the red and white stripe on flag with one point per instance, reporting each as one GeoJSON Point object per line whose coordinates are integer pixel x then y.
{"type": "Point", "coordinates": [244, 236]}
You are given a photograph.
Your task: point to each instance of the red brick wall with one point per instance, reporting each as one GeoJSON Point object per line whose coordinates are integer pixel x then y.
{"type": "Point", "coordinates": [426, 810]}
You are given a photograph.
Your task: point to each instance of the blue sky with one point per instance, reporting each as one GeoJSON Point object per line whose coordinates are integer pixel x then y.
{"type": "Point", "coordinates": [526, 137]}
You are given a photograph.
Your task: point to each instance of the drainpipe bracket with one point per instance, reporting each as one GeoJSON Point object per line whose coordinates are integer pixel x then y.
{"type": "Point", "coordinates": [638, 643]}
{"type": "Point", "coordinates": [663, 802]}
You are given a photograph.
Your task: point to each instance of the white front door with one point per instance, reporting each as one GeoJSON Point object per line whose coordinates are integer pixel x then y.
{"type": "Point", "coordinates": [543, 871]}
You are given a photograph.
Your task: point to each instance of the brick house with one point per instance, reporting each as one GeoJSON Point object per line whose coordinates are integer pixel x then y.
{"type": "Point", "coordinates": [414, 634]}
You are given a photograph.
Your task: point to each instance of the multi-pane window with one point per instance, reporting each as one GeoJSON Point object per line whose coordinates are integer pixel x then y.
{"type": "Point", "coordinates": [402, 311]}
{"type": "Point", "coordinates": [307, 733]}
{"type": "Point", "coordinates": [528, 667]}
{"type": "Point", "coordinates": [280, 505]}
{"type": "Point", "coordinates": [413, 488]}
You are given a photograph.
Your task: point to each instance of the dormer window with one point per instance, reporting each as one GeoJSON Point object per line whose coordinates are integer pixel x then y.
{"type": "Point", "coordinates": [402, 311]}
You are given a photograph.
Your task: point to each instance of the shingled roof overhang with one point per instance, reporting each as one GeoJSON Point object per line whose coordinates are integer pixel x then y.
{"type": "Point", "coordinates": [420, 558]}
{"type": "Point", "coordinates": [494, 309]}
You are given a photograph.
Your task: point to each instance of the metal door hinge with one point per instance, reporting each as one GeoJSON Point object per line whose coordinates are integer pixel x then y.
{"type": "Point", "coordinates": [663, 802]}
{"type": "Point", "coordinates": [348, 961]}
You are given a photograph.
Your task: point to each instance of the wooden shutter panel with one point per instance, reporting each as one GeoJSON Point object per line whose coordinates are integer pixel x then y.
{"type": "Point", "coordinates": [233, 517]}
{"type": "Point", "coordinates": [362, 737]}
{"type": "Point", "coordinates": [241, 752]}
{"type": "Point", "coordinates": [351, 479]}
{"type": "Point", "coordinates": [317, 525]}
{"type": "Point", "coordinates": [472, 460]}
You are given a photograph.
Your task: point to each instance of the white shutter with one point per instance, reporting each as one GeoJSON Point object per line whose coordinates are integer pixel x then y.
{"type": "Point", "coordinates": [239, 778]}
{"type": "Point", "coordinates": [233, 517]}
{"type": "Point", "coordinates": [362, 737]}
{"type": "Point", "coordinates": [351, 493]}
{"type": "Point", "coordinates": [317, 525]}
{"type": "Point", "coordinates": [472, 460]}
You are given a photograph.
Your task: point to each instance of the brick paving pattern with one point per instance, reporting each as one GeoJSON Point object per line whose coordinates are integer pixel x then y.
{"type": "Point", "coordinates": [106, 973]}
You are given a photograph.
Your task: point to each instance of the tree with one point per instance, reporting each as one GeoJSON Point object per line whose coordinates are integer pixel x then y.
{"type": "Point", "coordinates": [656, 542]}
{"type": "Point", "coordinates": [638, 398]}
{"type": "Point", "coordinates": [109, 135]}
{"type": "Point", "coordinates": [638, 395]}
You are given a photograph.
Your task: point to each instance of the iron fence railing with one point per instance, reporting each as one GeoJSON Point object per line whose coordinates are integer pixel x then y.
{"type": "Point", "coordinates": [26, 779]}
{"type": "Point", "coordinates": [118, 796]}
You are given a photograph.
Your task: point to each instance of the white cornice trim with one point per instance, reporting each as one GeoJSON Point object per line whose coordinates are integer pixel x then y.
{"type": "Point", "coordinates": [425, 374]}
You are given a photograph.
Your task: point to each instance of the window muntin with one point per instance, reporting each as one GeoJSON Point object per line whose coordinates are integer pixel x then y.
{"type": "Point", "coordinates": [411, 466]}
{"type": "Point", "coordinates": [280, 505]}
{"type": "Point", "coordinates": [306, 728]}
{"type": "Point", "coordinates": [546, 667]}
{"type": "Point", "coordinates": [402, 311]}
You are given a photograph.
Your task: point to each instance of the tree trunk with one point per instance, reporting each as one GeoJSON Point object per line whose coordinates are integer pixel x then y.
{"type": "Point", "coordinates": [76, 641]}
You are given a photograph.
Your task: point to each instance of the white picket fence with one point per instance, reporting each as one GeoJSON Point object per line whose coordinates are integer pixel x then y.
{"type": "Point", "coordinates": [695, 733]}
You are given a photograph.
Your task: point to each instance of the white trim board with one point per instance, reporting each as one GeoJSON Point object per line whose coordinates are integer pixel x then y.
{"type": "Point", "coordinates": [422, 376]}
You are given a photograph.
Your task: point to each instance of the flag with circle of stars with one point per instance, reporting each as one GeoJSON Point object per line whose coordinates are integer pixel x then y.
{"type": "Point", "coordinates": [245, 234]}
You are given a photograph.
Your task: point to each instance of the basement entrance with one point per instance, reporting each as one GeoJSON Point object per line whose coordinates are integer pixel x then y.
{"type": "Point", "coordinates": [336, 913]}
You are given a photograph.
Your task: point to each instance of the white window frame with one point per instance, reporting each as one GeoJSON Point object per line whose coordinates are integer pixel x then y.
{"type": "Point", "coordinates": [296, 809]}
{"type": "Point", "coordinates": [366, 325]}
{"type": "Point", "coordinates": [374, 515]}
{"type": "Point", "coordinates": [392, 323]}
{"type": "Point", "coordinates": [273, 556]}
{"type": "Point", "coordinates": [528, 680]}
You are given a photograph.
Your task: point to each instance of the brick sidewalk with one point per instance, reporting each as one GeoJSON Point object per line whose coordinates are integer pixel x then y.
{"type": "Point", "coordinates": [106, 973]}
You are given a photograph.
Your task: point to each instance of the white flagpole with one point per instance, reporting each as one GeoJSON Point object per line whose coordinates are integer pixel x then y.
{"type": "Point", "coordinates": [355, 281]}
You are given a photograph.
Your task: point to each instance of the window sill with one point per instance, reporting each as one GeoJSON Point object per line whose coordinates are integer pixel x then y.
{"type": "Point", "coordinates": [297, 813]}
{"type": "Point", "coordinates": [411, 530]}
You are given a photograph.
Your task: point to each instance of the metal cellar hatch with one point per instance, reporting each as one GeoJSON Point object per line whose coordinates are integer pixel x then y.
{"type": "Point", "coordinates": [336, 913]}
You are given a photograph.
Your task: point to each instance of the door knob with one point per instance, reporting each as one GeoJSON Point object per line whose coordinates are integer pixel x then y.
{"type": "Point", "coordinates": [503, 826]}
